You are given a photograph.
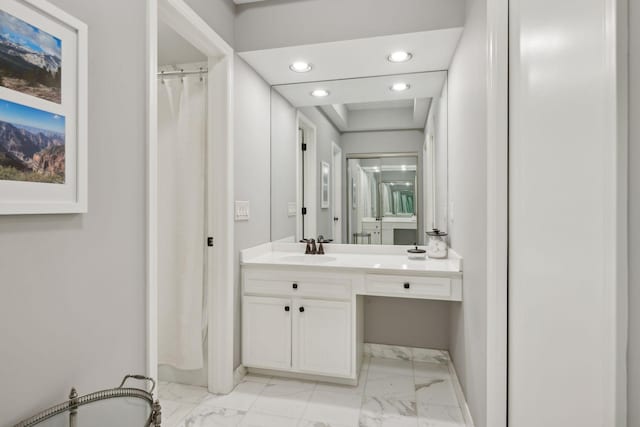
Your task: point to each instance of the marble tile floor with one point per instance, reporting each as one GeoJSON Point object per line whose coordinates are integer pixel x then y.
{"type": "Point", "coordinates": [391, 392]}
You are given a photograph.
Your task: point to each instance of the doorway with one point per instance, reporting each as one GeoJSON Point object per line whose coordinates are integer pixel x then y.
{"type": "Point", "coordinates": [217, 239]}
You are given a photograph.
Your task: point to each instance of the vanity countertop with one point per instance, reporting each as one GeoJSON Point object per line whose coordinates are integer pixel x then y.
{"type": "Point", "coordinates": [369, 258]}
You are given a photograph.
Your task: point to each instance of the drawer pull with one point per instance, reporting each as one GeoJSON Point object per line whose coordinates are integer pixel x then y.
{"type": "Point", "coordinates": [407, 285]}
{"type": "Point", "coordinates": [301, 309]}
{"type": "Point", "coordinates": [295, 286]}
{"type": "Point", "coordinates": [287, 308]}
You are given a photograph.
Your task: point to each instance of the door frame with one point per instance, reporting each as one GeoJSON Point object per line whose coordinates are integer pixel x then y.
{"type": "Point", "coordinates": [336, 178]}
{"type": "Point", "coordinates": [497, 54]}
{"type": "Point", "coordinates": [219, 275]}
{"type": "Point", "coordinates": [310, 178]}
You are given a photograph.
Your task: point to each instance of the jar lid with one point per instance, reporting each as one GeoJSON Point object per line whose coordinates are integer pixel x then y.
{"type": "Point", "coordinates": [436, 232]}
{"type": "Point", "coordinates": [416, 251]}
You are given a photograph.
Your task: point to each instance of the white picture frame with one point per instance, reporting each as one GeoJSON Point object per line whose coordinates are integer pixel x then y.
{"type": "Point", "coordinates": [51, 102]}
{"type": "Point", "coordinates": [325, 189]}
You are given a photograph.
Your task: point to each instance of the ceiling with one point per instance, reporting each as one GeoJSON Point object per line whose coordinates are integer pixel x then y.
{"type": "Point", "coordinates": [432, 51]}
{"type": "Point", "coordinates": [368, 104]}
{"type": "Point", "coordinates": [364, 90]}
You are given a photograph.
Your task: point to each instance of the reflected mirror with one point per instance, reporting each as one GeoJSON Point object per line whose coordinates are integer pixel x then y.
{"type": "Point", "coordinates": [363, 164]}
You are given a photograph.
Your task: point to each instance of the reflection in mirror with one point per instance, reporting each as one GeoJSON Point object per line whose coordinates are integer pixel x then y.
{"type": "Point", "coordinates": [383, 200]}
{"type": "Point", "coordinates": [364, 164]}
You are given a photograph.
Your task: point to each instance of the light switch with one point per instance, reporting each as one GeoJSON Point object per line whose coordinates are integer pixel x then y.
{"type": "Point", "coordinates": [292, 208]}
{"type": "Point", "coordinates": [242, 210]}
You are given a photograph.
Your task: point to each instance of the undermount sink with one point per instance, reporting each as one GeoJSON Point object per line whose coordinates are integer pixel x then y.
{"type": "Point", "coordinates": [307, 259]}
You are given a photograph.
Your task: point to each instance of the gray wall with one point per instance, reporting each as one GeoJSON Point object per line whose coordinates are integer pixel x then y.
{"type": "Point", "coordinates": [468, 195]}
{"type": "Point", "coordinates": [72, 299]}
{"type": "Point", "coordinates": [219, 14]}
{"type": "Point", "coordinates": [251, 174]}
{"type": "Point", "coordinates": [634, 217]}
{"type": "Point", "coordinates": [407, 322]}
{"type": "Point", "coordinates": [279, 23]}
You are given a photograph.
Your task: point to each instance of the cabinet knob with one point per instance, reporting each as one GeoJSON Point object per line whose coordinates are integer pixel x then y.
{"type": "Point", "coordinates": [287, 308]}
{"type": "Point", "coordinates": [301, 309]}
{"type": "Point", "coordinates": [407, 285]}
{"type": "Point", "coordinates": [295, 286]}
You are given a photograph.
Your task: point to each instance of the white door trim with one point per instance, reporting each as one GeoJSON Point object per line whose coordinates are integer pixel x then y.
{"type": "Point", "coordinates": [336, 206]}
{"type": "Point", "coordinates": [189, 25]}
{"type": "Point", "coordinates": [497, 209]}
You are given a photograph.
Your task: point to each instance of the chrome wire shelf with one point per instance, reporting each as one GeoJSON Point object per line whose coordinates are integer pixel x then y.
{"type": "Point", "coordinates": [75, 402]}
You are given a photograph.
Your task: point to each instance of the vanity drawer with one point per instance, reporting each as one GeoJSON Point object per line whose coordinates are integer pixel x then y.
{"type": "Point", "coordinates": [324, 288]}
{"type": "Point", "coordinates": [410, 286]}
{"type": "Point", "coordinates": [268, 286]}
{"type": "Point", "coordinates": [333, 289]}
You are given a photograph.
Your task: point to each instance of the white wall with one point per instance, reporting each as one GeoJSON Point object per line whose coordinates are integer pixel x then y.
{"type": "Point", "coordinates": [284, 139]}
{"type": "Point", "coordinates": [437, 126]}
{"type": "Point", "coordinates": [279, 23]}
{"type": "Point", "coordinates": [252, 165]}
{"type": "Point", "coordinates": [634, 217]}
{"type": "Point", "coordinates": [468, 200]}
{"type": "Point", "coordinates": [72, 293]}
{"type": "Point", "coordinates": [563, 249]}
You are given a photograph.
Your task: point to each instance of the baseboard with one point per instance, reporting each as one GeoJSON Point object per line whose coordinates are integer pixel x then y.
{"type": "Point", "coordinates": [305, 377]}
{"type": "Point", "coordinates": [238, 375]}
{"type": "Point", "coordinates": [406, 353]}
{"type": "Point", "coordinates": [466, 413]}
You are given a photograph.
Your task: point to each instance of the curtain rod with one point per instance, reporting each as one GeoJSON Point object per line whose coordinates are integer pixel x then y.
{"type": "Point", "coordinates": [182, 72]}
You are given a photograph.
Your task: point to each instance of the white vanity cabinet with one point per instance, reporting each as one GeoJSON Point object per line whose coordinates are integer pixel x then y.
{"type": "Point", "coordinates": [298, 322]}
{"type": "Point", "coordinates": [303, 315]}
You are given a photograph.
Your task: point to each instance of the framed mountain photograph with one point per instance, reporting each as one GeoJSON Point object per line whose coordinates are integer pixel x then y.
{"type": "Point", "coordinates": [43, 109]}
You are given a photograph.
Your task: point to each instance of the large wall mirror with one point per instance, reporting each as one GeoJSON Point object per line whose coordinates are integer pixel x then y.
{"type": "Point", "coordinates": [360, 160]}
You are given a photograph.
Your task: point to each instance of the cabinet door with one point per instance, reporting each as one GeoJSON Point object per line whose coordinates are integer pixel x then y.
{"type": "Point", "coordinates": [323, 337]}
{"type": "Point", "coordinates": [266, 332]}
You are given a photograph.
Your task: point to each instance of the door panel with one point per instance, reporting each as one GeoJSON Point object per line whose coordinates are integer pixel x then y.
{"type": "Point", "coordinates": [322, 337]}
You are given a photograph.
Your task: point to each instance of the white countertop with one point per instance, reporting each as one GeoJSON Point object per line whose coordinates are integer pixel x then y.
{"type": "Point", "coordinates": [372, 258]}
{"type": "Point", "coordinates": [392, 219]}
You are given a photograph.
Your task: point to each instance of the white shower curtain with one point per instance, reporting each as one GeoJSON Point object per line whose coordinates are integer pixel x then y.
{"type": "Point", "coordinates": [181, 221]}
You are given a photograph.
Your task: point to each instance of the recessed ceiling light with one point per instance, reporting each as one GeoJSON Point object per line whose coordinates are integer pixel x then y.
{"type": "Point", "coordinates": [300, 67]}
{"type": "Point", "coordinates": [400, 87]}
{"type": "Point", "coordinates": [400, 56]}
{"type": "Point", "coordinates": [320, 93]}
